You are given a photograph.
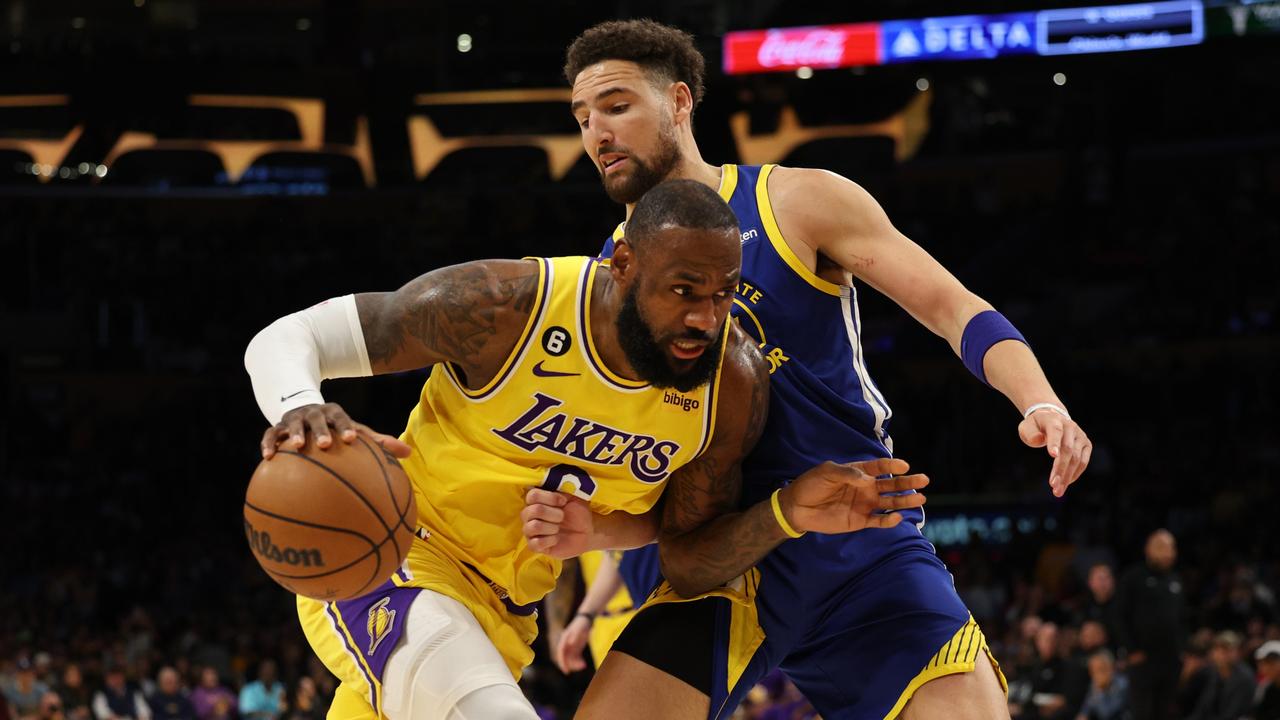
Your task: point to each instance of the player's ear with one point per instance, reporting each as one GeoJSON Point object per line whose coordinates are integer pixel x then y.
{"type": "Point", "coordinates": [622, 265]}
{"type": "Point", "coordinates": [681, 101]}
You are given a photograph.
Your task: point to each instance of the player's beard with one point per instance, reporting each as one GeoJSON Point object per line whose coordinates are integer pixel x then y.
{"type": "Point", "coordinates": [645, 175]}
{"type": "Point", "coordinates": [646, 355]}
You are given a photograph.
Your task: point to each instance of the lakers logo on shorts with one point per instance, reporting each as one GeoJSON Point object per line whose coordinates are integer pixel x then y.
{"type": "Point", "coordinates": [381, 620]}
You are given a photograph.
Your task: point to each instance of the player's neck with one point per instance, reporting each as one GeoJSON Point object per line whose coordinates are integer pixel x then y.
{"type": "Point", "coordinates": [606, 299]}
{"type": "Point", "coordinates": [693, 167]}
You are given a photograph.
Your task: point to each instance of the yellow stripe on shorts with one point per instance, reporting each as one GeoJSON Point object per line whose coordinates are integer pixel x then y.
{"type": "Point", "coordinates": [957, 655]}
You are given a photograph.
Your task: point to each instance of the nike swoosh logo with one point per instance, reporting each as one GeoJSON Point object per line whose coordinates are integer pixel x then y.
{"type": "Point", "coordinates": [537, 370]}
{"type": "Point", "coordinates": [286, 397]}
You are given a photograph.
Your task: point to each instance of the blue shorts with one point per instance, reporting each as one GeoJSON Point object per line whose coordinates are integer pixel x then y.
{"type": "Point", "coordinates": [858, 641]}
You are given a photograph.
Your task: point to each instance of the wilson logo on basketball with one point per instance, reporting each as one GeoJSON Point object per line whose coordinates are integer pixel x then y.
{"type": "Point", "coordinates": [260, 543]}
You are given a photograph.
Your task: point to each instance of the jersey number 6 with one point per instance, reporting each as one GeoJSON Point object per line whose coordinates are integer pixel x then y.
{"type": "Point", "coordinates": [577, 480]}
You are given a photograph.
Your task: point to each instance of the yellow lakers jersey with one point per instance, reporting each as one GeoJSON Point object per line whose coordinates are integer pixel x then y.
{"type": "Point", "coordinates": [553, 417]}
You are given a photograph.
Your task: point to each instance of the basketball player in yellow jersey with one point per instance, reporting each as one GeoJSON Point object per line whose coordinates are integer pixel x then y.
{"type": "Point", "coordinates": [560, 374]}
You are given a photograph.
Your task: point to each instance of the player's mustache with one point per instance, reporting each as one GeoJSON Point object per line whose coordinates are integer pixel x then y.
{"type": "Point", "coordinates": [692, 334]}
{"type": "Point", "coordinates": [604, 150]}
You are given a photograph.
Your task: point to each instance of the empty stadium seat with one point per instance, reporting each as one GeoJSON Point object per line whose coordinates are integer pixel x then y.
{"type": "Point", "coordinates": [166, 168]}
{"type": "Point", "coordinates": [473, 167]}
{"type": "Point", "coordinates": [333, 170]}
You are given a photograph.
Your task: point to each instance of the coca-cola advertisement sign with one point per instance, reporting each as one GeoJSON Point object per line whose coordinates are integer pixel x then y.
{"type": "Point", "coordinates": [828, 46]}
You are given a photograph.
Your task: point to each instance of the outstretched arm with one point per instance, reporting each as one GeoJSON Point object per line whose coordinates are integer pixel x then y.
{"type": "Point", "coordinates": [705, 542]}
{"type": "Point", "coordinates": [821, 213]}
{"type": "Point", "coordinates": [470, 314]}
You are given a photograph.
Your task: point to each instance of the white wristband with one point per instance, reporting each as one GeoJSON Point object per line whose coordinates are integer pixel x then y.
{"type": "Point", "coordinates": [1046, 406]}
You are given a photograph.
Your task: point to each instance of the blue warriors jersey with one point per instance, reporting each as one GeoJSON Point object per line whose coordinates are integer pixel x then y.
{"type": "Point", "coordinates": [823, 403]}
{"type": "Point", "coordinates": [826, 609]}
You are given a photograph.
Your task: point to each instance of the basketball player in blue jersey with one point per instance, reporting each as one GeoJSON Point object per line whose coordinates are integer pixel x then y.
{"type": "Point", "coordinates": [868, 624]}
{"type": "Point", "coordinates": [557, 373]}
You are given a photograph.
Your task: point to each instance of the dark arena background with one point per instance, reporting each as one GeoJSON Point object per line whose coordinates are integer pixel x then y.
{"type": "Point", "coordinates": [175, 174]}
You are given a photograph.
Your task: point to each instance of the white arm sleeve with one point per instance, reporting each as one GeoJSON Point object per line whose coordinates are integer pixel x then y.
{"type": "Point", "coordinates": [288, 358]}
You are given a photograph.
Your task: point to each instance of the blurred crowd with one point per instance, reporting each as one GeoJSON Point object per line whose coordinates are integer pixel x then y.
{"type": "Point", "coordinates": [1143, 645]}
{"type": "Point", "coordinates": [51, 688]}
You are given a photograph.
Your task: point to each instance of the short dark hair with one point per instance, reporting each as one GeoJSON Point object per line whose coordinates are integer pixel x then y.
{"type": "Point", "coordinates": [660, 49]}
{"type": "Point", "coordinates": [679, 203]}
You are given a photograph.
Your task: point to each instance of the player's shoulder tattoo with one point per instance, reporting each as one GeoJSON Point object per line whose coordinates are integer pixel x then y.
{"type": "Point", "coordinates": [459, 311]}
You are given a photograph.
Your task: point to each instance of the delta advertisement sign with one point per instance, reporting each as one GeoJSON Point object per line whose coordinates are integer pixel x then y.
{"type": "Point", "coordinates": [968, 37]}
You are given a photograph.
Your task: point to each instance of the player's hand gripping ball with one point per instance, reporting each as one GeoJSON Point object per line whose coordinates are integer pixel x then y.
{"type": "Point", "coordinates": [332, 523]}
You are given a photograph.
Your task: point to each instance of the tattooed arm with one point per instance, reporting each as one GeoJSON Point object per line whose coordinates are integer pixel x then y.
{"type": "Point", "coordinates": [704, 541]}
{"type": "Point", "coordinates": [470, 314]}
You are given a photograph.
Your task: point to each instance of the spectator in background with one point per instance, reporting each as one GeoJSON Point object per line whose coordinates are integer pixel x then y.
{"type": "Point", "coordinates": [1093, 637]}
{"type": "Point", "coordinates": [306, 703]}
{"type": "Point", "coordinates": [1195, 671]}
{"type": "Point", "coordinates": [1058, 684]}
{"type": "Point", "coordinates": [263, 699]}
{"type": "Point", "coordinates": [1229, 693]}
{"type": "Point", "coordinates": [51, 707]}
{"type": "Point", "coordinates": [1267, 697]}
{"type": "Point", "coordinates": [1108, 697]}
{"type": "Point", "coordinates": [168, 702]}
{"type": "Point", "coordinates": [117, 701]}
{"type": "Point", "coordinates": [1150, 628]}
{"type": "Point", "coordinates": [326, 684]}
{"type": "Point", "coordinates": [75, 695]}
{"type": "Point", "coordinates": [43, 663]}
{"type": "Point", "coordinates": [25, 692]}
{"type": "Point", "coordinates": [1100, 606]}
{"type": "Point", "coordinates": [212, 700]}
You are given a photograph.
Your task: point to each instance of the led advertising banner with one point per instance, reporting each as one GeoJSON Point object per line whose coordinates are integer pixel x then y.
{"type": "Point", "coordinates": [1120, 27]}
{"type": "Point", "coordinates": [1108, 28]}
{"type": "Point", "coordinates": [964, 37]}
{"type": "Point", "coordinates": [829, 46]}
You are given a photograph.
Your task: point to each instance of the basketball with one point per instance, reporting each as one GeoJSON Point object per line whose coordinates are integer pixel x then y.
{"type": "Point", "coordinates": [330, 524]}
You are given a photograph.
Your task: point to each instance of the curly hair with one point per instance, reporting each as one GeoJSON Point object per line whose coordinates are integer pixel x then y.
{"type": "Point", "coordinates": [663, 51]}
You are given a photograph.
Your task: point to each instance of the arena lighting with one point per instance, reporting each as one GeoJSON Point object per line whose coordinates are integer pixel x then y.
{"type": "Point", "coordinates": [804, 72]}
{"type": "Point", "coordinates": [1059, 79]}
{"type": "Point", "coordinates": [464, 43]}
{"type": "Point", "coordinates": [922, 84]}
{"type": "Point", "coordinates": [1082, 30]}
